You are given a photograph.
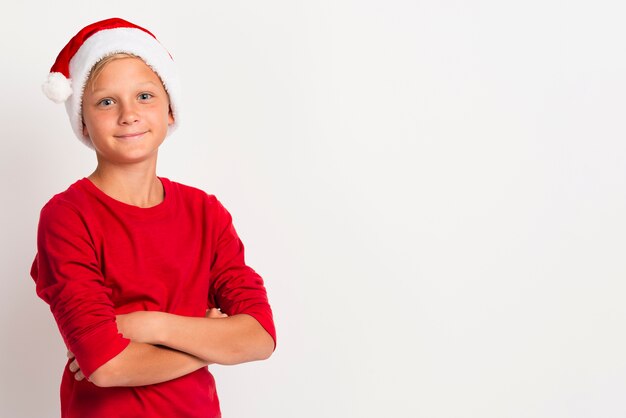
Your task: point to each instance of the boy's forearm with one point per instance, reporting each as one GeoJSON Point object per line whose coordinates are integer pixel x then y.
{"type": "Point", "coordinates": [233, 340]}
{"type": "Point", "coordinates": [142, 364]}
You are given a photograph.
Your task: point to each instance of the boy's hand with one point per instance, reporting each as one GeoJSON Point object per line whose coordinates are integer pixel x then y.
{"type": "Point", "coordinates": [74, 367]}
{"type": "Point", "coordinates": [215, 313]}
{"type": "Point", "coordinates": [140, 326]}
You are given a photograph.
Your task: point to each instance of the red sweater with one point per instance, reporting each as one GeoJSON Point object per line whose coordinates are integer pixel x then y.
{"type": "Point", "coordinates": [98, 257]}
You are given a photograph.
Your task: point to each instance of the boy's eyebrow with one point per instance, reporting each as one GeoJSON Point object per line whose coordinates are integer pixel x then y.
{"type": "Point", "coordinates": [138, 86]}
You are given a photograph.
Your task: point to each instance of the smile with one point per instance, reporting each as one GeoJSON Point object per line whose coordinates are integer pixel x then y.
{"type": "Point", "coordinates": [135, 135]}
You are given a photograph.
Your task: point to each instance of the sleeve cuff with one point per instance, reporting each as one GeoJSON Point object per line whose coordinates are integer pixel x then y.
{"type": "Point", "coordinates": [98, 347]}
{"type": "Point", "coordinates": [265, 319]}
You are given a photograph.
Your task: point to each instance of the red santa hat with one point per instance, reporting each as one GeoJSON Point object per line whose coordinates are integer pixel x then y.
{"type": "Point", "coordinates": [71, 69]}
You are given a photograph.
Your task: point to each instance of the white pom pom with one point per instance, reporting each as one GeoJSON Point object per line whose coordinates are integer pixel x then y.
{"type": "Point", "coordinates": [57, 87]}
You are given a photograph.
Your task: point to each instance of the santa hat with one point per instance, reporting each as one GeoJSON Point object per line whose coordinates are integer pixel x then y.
{"type": "Point", "coordinates": [71, 69]}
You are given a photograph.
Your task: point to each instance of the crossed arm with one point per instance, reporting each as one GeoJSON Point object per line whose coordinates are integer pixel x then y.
{"type": "Point", "coordinates": [166, 346]}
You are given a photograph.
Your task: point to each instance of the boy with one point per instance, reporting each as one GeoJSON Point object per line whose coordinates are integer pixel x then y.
{"type": "Point", "coordinates": [138, 269]}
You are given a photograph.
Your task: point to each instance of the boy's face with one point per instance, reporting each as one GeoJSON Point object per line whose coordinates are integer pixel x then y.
{"type": "Point", "coordinates": [126, 112]}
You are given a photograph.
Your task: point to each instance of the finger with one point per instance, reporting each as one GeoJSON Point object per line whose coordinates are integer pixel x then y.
{"type": "Point", "coordinates": [215, 313]}
{"type": "Point", "coordinates": [79, 375]}
{"type": "Point", "coordinates": [70, 354]}
{"type": "Point", "coordinates": [74, 366]}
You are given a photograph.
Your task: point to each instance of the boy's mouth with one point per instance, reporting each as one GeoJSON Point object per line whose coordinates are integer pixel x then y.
{"type": "Point", "coordinates": [131, 135]}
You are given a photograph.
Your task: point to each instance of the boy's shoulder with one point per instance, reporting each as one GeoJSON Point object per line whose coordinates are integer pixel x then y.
{"type": "Point", "coordinates": [67, 207]}
{"type": "Point", "coordinates": [186, 190]}
{"type": "Point", "coordinates": [73, 196]}
{"type": "Point", "coordinates": [190, 194]}
{"type": "Point", "coordinates": [197, 199]}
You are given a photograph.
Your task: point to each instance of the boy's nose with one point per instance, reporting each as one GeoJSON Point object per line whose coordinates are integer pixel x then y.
{"type": "Point", "coordinates": [128, 114]}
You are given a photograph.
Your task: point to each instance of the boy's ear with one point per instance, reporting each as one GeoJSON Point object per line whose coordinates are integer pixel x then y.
{"type": "Point", "coordinates": [170, 117]}
{"type": "Point", "coordinates": [85, 132]}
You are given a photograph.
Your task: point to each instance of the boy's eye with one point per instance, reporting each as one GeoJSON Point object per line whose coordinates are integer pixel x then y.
{"type": "Point", "coordinates": [145, 96]}
{"type": "Point", "coordinates": [105, 102]}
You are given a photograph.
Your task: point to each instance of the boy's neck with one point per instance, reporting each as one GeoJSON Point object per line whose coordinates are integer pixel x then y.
{"type": "Point", "coordinates": [129, 184]}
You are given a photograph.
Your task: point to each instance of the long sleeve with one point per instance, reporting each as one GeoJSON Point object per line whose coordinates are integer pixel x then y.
{"type": "Point", "coordinates": [235, 287]}
{"type": "Point", "coordinates": [69, 278]}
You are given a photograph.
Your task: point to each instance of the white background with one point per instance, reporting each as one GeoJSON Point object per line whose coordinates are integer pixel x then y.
{"type": "Point", "coordinates": [432, 190]}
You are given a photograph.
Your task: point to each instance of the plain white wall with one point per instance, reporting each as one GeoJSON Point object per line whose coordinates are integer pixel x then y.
{"type": "Point", "coordinates": [433, 191]}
